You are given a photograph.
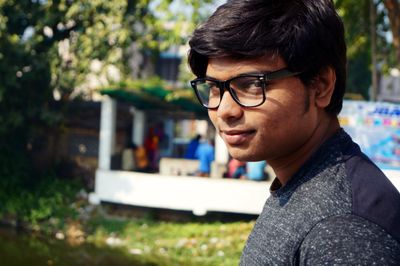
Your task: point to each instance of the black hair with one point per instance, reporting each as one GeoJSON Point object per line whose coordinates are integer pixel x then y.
{"type": "Point", "coordinates": [307, 34]}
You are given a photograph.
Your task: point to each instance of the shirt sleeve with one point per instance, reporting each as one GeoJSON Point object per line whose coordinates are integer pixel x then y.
{"type": "Point", "coordinates": [348, 240]}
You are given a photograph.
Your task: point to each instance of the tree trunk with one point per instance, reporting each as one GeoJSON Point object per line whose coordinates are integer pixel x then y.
{"type": "Point", "coordinates": [393, 8]}
{"type": "Point", "coordinates": [374, 62]}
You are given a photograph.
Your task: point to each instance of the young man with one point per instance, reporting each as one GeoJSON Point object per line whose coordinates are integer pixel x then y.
{"type": "Point", "coordinates": [272, 75]}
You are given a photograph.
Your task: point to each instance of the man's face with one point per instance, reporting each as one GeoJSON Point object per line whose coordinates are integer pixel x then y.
{"type": "Point", "coordinates": [273, 130]}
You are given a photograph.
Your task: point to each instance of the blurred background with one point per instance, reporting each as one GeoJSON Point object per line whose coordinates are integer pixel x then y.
{"type": "Point", "coordinates": [98, 125]}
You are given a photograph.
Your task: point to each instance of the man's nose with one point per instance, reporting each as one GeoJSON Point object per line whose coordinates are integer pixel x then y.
{"type": "Point", "coordinates": [229, 109]}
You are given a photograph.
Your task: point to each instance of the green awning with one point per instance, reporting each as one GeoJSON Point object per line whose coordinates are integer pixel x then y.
{"type": "Point", "coordinates": [158, 99]}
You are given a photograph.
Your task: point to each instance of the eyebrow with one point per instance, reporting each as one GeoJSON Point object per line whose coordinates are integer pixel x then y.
{"type": "Point", "coordinates": [241, 74]}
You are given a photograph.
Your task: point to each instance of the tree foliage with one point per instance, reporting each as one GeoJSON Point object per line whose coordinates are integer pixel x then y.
{"type": "Point", "coordinates": [393, 10]}
{"type": "Point", "coordinates": [49, 48]}
{"type": "Point", "coordinates": [356, 17]}
{"type": "Point", "coordinates": [357, 21]}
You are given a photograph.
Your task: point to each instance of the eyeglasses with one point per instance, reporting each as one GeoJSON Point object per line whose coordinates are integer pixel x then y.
{"type": "Point", "coordinates": [247, 90]}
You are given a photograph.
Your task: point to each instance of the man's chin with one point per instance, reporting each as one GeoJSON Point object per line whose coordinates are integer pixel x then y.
{"type": "Point", "coordinates": [240, 154]}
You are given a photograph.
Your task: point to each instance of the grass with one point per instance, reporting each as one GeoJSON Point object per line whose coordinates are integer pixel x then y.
{"type": "Point", "coordinates": [168, 243]}
{"type": "Point", "coordinates": [55, 209]}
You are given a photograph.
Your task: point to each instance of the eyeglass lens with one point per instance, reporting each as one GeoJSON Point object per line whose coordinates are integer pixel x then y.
{"type": "Point", "coordinates": [248, 91]}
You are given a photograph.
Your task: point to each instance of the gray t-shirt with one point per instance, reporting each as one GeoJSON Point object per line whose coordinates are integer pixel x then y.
{"type": "Point", "coordinates": [338, 209]}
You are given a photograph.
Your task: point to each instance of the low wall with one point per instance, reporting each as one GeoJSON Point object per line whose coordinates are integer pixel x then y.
{"type": "Point", "coordinates": [178, 166]}
{"type": "Point", "coordinates": [196, 194]}
{"type": "Point", "coordinates": [186, 167]}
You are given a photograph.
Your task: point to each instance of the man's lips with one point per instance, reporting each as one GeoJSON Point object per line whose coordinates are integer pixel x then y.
{"type": "Point", "coordinates": [237, 137]}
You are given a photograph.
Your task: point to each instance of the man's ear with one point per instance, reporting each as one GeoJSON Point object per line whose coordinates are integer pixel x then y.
{"type": "Point", "coordinates": [324, 85]}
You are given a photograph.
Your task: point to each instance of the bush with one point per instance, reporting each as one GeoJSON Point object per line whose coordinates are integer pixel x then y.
{"type": "Point", "coordinates": [28, 198]}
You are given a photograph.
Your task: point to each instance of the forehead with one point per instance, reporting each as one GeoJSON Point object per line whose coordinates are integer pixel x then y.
{"type": "Point", "coordinates": [225, 67]}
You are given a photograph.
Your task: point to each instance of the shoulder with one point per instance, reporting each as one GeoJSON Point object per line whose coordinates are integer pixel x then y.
{"type": "Point", "coordinates": [348, 239]}
{"type": "Point", "coordinates": [374, 197]}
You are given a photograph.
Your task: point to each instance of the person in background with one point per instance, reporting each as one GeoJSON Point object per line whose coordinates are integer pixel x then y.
{"type": "Point", "coordinates": [206, 155]}
{"type": "Point", "coordinates": [142, 161]}
{"type": "Point", "coordinates": [192, 147]}
{"type": "Point", "coordinates": [256, 170]}
{"type": "Point", "coordinates": [152, 151]}
{"type": "Point", "coordinates": [236, 168]}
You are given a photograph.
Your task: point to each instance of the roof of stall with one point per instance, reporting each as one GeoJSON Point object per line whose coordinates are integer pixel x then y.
{"type": "Point", "coordinates": [158, 98]}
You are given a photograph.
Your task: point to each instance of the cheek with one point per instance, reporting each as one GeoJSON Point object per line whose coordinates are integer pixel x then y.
{"type": "Point", "coordinates": [268, 128]}
{"type": "Point", "coordinates": [282, 120]}
{"type": "Point", "coordinates": [212, 114]}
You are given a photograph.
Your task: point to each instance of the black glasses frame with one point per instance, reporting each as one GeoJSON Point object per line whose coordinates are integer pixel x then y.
{"type": "Point", "coordinates": [225, 85]}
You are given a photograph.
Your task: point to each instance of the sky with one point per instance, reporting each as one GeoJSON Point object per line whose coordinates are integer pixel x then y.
{"type": "Point", "coordinates": [178, 5]}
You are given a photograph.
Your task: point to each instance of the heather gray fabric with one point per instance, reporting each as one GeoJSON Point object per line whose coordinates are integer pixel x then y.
{"type": "Point", "coordinates": [323, 215]}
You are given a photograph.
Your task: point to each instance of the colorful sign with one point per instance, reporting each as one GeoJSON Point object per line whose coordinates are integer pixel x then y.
{"type": "Point", "coordinates": [375, 126]}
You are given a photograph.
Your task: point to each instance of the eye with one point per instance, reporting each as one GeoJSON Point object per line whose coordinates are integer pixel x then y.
{"type": "Point", "coordinates": [250, 82]}
{"type": "Point", "coordinates": [212, 87]}
{"type": "Point", "coordinates": [246, 83]}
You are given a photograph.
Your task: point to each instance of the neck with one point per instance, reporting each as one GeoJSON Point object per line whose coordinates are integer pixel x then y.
{"type": "Point", "coordinates": [286, 167]}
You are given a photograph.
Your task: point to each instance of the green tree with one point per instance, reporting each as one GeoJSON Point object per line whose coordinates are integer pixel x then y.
{"type": "Point", "coordinates": [357, 20]}
{"type": "Point", "coordinates": [357, 38]}
{"type": "Point", "coordinates": [393, 11]}
{"type": "Point", "coordinates": [49, 46]}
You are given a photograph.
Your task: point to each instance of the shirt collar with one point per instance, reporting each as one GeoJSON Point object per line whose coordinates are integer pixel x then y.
{"type": "Point", "coordinates": [329, 153]}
